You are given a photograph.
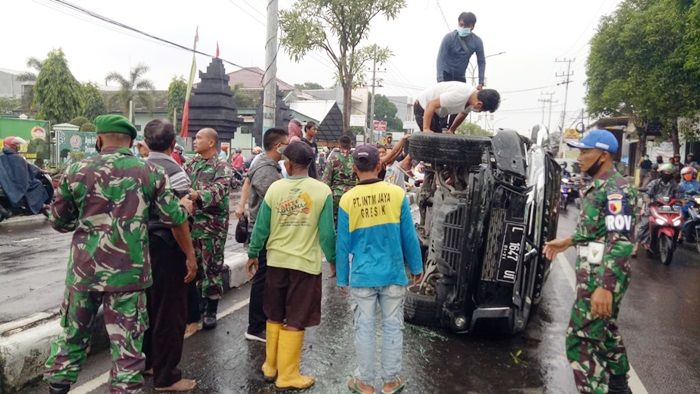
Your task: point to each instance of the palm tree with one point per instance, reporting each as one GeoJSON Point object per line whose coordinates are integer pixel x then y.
{"type": "Point", "coordinates": [133, 87]}
{"type": "Point", "coordinates": [32, 63]}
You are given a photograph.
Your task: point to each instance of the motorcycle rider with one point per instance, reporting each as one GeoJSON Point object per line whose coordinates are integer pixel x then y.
{"type": "Point", "coordinates": [689, 185]}
{"type": "Point", "coordinates": [689, 188]}
{"type": "Point", "coordinates": [664, 186]}
{"type": "Point", "coordinates": [19, 186]}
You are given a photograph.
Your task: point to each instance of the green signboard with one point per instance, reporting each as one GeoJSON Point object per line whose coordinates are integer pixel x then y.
{"type": "Point", "coordinates": [32, 131]}
{"type": "Point", "coordinates": [75, 145]}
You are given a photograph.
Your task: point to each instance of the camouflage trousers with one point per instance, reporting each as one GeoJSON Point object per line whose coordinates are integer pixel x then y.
{"type": "Point", "coordinates": [126, 319]}
{"type": "Point", "coordinates": [594, 346]}
{"type": "Point", "coordinates": [210, 259]}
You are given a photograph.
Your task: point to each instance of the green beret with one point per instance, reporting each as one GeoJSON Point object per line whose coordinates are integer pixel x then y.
{"type": "Point", "coordinates": [114, 124]}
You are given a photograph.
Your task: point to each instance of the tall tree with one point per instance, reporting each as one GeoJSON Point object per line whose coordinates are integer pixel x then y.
{"type": "Point", "coordinates": [243, 99]}
{"type": "Point", "coordinates": [32, 64]}
{"type": "Point", "coordinates": [337, 28]}
{"type": "Point", "coordinates": [92, 101]}
{"type": "Point", "coordinates": [176, 98]}
{"type": "Point", "coordinates": [56, 92]}
{"type": "Point", "coordinates": [133, 87]}
{"type": "Point", "coordinates": [637, 65]}
{"type": "Point", "coordinates": [385, 110]}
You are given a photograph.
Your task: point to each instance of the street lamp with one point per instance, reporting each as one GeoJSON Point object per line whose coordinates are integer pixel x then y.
{"type": "Point", "coordinates": [472, 68]}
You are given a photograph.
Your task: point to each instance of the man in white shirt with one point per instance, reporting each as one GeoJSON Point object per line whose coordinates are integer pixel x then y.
{"type": "Point", "coordinates": [452, 98]}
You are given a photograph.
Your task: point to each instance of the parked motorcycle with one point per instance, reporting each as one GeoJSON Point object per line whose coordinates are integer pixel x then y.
{"type": "Point", "coordinates": [665, 224]}
{"type": "Point", "coordinates": [8, 211]}
{"type": "Point", "coordinates": [691, 228]}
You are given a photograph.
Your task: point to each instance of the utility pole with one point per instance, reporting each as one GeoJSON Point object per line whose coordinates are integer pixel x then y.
{"type": "Point", "coordinates": [270, 76]}
{"type": "Point", "coordinates": [374, 85]}
{"type": "Point", "coordinates": [547, 101]}
{"type": "Point", "coordinates": [567, 80]}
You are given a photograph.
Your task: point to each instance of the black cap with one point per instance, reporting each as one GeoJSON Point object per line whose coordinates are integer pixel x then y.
{"type": "Point", "coordinates": [299, 152]}
{"type": "Point", "coordinates": [366, 157]}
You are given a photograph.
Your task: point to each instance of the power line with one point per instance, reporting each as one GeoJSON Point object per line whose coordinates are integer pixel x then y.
{"type": "Point", "coordinates": [255, 18]}
{"type": "Point", "coordinates": [143, 33]}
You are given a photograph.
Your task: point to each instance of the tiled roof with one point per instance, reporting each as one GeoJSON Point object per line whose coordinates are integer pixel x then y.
{"type": "Point", "coordinates": [251, 78]}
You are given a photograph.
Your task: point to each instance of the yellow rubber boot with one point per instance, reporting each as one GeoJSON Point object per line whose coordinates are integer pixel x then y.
{"type": "Point", "coordinates": [288, 360]}
{"type": "Point", "coordinates": [269, 368]}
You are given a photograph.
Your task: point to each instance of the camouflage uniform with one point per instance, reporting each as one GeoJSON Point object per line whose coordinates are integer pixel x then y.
{"type": "Point", "coordinates": [603, 238]}
{"type": "Point", "coordinates": [106, 200]}
{"type": "Point", "coordinates": [338, 175]}
{"type": "Point", "coordinates": [212, 179]}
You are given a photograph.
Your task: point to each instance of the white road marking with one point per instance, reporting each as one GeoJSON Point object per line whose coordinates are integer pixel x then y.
{"type": "Point", "coordinates": [26, 240]}
{"type": "Point", "coordinates": [635, 383]}
{"type": "Point", "coordinates": [97, 382]}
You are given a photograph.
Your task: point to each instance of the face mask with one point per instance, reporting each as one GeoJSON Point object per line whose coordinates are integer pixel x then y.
{"type": "Point", "coordinates": [595, 167]}
{"type": "Point", "coordinates": [666, 178]}
{"type": "Point", "coordinates": [463, 31]}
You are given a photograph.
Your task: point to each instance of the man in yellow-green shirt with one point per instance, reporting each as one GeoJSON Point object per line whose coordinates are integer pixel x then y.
{"type": "Point", "coordinates": [295, 223]}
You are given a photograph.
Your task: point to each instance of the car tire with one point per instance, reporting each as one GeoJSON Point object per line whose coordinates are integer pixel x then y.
{"type": "Point", "coordinates": [422, 310]}
{"type": "Point", "coordinates": [438, 148]}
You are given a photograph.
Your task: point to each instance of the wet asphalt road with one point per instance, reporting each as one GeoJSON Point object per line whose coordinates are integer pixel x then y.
{"type": "Point", "coordinates": [33, 261]}
{"type": "Point", "coordinates": [660, 322]}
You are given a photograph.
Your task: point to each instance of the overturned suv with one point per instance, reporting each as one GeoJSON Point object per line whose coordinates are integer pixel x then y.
{"type": "Point", "coordinates": [487, 206]}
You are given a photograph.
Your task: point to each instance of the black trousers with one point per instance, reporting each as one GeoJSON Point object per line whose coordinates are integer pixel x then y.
{"type": "Point", "coordinates": [447, 77]}
{"type": "Point", "coordinates": [194, 299]}
{"type": "Point", "coordinates": [436, 122]}
{"type": "Point", "coordinates": [167, 311]}
{"type": "Point", "coordinates": [256, 314]}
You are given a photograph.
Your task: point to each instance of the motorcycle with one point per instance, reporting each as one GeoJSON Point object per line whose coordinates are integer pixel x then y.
{"type": "Point", "coordinates": [691, 228]}
{"type": "Point", "coordinates": [236, 179]}
{"type": "Point", "coordinates": [566, 193]}
{"type": "Point", "coordinates": [8, 211]}
{"type": "Point", "coordinates": [665, 224]}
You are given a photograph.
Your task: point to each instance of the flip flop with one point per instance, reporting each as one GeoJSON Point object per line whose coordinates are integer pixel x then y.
{"type": "Point", "coordinates": [354, 386]}
{"type": "Point", "coordinates": [401, 385]}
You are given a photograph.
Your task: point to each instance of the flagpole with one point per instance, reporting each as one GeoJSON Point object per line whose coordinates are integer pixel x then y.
{"type": "Point", "coordinates": [186, 108]}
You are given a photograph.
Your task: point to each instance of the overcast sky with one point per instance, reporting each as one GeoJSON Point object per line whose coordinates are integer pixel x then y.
{"type": "Point", "coordinates": [532, 35]}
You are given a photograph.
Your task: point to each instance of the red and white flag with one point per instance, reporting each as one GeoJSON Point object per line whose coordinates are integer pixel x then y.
{"type": "Point", "coordinates": [217, 49]}
{"type": "Point", "coordinates": [193, 71]}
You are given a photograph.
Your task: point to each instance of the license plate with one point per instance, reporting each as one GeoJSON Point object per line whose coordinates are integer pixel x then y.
{"type": "Point", "coordinates": [510, 253]}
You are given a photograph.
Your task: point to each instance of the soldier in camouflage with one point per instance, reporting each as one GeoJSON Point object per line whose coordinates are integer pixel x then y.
{"type": "Point", "coordinates": [338, 174]}
{"type": "Point", "coordinates": [106, 201]}
{"type": "Point", "coordinates": [603, 240]}
{"type": "Point", "coordinates": [211, 180]}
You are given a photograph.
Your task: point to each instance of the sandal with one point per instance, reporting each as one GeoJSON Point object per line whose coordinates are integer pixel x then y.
{"type": "Point", "coordinates": [354, 386]}
{"type": "Point", "coordinates": [401, 384]}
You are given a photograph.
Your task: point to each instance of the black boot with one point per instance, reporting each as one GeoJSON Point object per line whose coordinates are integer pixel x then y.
{"type": "Point", "coordinates": [618, 385]}
{"type": "Point", "coordinates": [59, 388]}
{"type": "Point", "coordinates": [209, 319]}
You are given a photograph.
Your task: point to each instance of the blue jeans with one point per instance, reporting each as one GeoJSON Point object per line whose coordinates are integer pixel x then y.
{"type": "Point", "coordinates": [390, 300]}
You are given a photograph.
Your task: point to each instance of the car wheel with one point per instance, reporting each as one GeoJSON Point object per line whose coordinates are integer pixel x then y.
{"type": "Point", "coordinates": [438, 148]}
{"type": "Point", "coordinates": [420, 309]}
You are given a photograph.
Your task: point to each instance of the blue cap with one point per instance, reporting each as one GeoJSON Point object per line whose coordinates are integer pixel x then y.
{"type": "Point", "coordinates": [596, 139]}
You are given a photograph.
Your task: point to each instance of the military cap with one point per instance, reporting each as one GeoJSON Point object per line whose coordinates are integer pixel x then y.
{"type": "Point", "coordinates": [114, 124]}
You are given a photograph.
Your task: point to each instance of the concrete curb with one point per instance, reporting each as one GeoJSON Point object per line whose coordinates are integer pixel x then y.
{"type": "Point", "coordinates": [25, 343]}
{"type": "Point", "coordinates": [24, 220]}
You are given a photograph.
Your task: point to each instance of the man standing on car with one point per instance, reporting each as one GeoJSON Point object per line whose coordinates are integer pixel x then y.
{"type": "Point", "coordinates": [456, 50]}
{"type": "Point", "coordinates": [604, 245]}
{"type": "Point", "coordinates": [452, 98]}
